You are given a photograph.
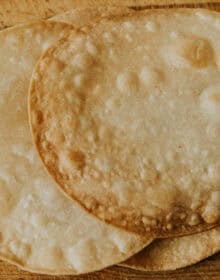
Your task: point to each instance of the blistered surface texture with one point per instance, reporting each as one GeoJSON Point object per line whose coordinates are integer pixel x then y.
{"type": "Point", "coordinates": [40, 229]}
{"type": "Point", "coordinates": [164, 254]}
{"type": "Point", "coordinates": [126, 119]}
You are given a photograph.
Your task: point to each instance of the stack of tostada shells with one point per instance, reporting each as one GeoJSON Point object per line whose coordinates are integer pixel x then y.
{"type": "Point", "coordinates": [110, 138]}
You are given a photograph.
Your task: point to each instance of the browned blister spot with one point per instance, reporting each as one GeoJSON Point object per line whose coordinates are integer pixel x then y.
{"type": "Point", "coordinates": [78, 159]}
{"type": "Point", "coordinates": [39, 117]}
{"type": "Point", "coordinates": [198, 52]}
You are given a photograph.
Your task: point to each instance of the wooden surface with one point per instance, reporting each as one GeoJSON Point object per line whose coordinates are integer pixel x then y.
{"type": "Point", "coordinates": [208, 269]}
{"type": "Point", "coordinates": [18, 11]}
{"type": "Point", "coordinates": [205, 270]}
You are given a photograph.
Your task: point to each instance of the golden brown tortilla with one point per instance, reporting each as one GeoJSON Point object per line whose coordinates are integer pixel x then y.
{"type": "Point", "coordinates": [142, 133]}
{"type": "Point", "coordinates": [173, 253]}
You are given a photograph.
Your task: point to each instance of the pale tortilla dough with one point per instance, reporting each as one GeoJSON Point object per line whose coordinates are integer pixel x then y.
{"type": "Point", "coordinates": [40, 229]}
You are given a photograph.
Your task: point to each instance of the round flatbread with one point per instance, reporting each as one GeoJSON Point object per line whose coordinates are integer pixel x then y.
{"type": "Point", "coordinates": [164, 254]}
{"type": "Point", "coordinates": [173, 253]}
{"type": "Point", "coordinates": [40, 229]}
{"type": "Point", "coordinates": [126, 119]}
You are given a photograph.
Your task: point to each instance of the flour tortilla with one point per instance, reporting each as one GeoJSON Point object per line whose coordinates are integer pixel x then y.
{"type": "Point", "coordinates": [164, 254]}
{"type": "Point", "coordinates": [142, 133]}
{"type": "Point", "coordinates": [173, 253]}
{"type": "Point", "coordinates": [40, 229]}
{"type": "Point", "coordinates": [19, 11]}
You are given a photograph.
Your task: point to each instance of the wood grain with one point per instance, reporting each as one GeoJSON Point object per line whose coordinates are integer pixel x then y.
{"type": "Point", "coordinates": [205, 270]}
{"type": "Point", "coordinates": [18, 11]}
